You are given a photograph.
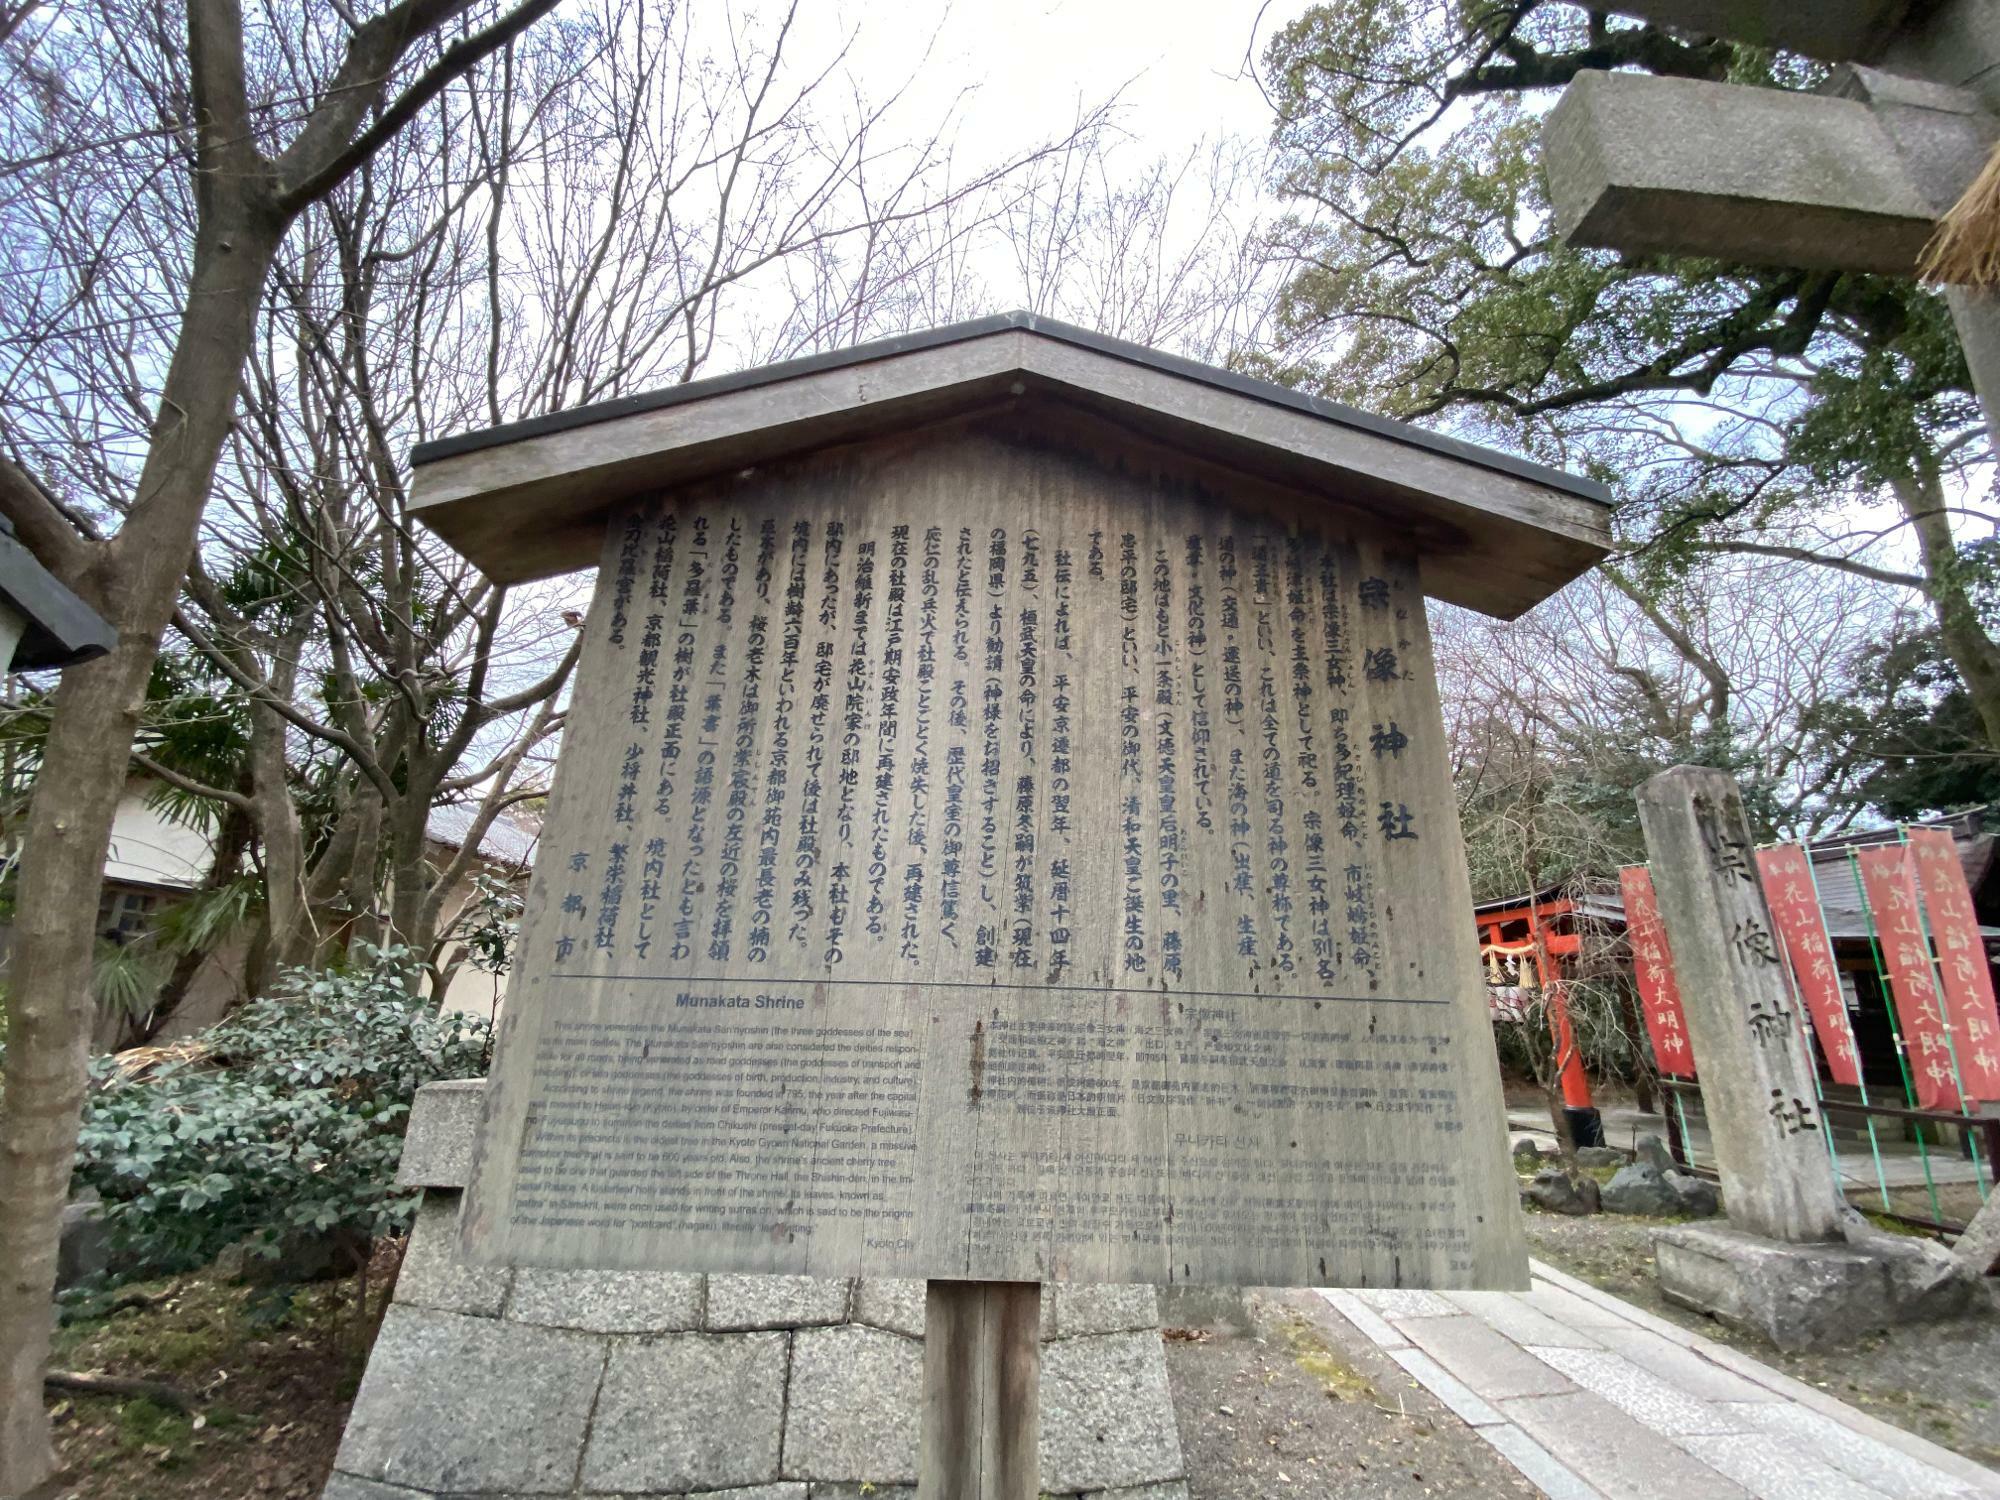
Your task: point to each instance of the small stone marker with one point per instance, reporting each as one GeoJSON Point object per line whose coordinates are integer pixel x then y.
{"type": "Point", "coordinates": [1003, 835]}
{"type": "Point", "coordinates": [1756, 1080]}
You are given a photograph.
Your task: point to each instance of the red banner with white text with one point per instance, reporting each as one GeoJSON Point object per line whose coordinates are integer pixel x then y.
{"type": "Point", "coordinates": [1962, 965]}
{"type": "Point", "coordinates": [1892, 896]}
{"type": "Point", "coordinates": [1788, 887]}
{"type": "Point", "coordinates": [1653, 967]}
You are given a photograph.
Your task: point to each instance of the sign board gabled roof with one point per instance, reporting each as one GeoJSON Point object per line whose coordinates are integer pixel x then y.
{"type": "Point", "coordinates": [57, 628]}
{"type": "Point", "coordinates": [529, 499]}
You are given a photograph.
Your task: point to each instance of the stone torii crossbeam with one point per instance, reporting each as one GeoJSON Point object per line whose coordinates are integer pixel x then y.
{"type": "Point", "coordinates": [1852, 179]}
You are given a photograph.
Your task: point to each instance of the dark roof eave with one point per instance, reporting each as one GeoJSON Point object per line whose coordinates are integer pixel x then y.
{"type": "Point", "coordinates": [57, 628]}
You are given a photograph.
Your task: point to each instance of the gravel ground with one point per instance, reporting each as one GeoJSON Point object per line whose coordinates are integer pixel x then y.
{"type": "Point", "coordinates": [1940, 1381]}
{"type": "Point", "coordinates": [1275, 1395]}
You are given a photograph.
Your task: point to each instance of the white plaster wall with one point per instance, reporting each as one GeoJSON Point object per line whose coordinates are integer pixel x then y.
{"type": "Point", "coordinates": [471, 990]}
{"type": "Point", "coordinates": [474, 991]}
{"type": "Point", "coordinates": [148, 848]}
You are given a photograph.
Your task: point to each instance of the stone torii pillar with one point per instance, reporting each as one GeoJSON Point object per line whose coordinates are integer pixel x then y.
{"type": "Point", "coordinates": [1854, 179]}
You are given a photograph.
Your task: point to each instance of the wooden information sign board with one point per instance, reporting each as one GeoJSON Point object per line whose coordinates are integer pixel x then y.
{"type": "Point", "coordinates": [970, 862]}
{"type": "Point", "coordinates": [1003, 834]}
{"type": "Point", "coordinates": [1003, 830]}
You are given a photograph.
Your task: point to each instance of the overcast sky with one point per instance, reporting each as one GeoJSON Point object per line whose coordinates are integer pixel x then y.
{"type": "Point", "coordinates": [1179, 69]}
{"type": "Point", "coordinates": [1181, 62]}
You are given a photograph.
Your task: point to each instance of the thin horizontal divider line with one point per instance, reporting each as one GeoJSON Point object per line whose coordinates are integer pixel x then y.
{"type": "Point", "coordinates": [974, 984]}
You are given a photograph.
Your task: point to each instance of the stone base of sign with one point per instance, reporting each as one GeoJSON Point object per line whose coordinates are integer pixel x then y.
{"type": "Point", "coordinates": [534, 1382]}
{"type": "Point", "coordinates": [1811, 1296]}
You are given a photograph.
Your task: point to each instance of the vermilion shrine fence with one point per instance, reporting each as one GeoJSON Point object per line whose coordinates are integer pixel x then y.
{"type": "Point", "coordinates": [1919, 953]}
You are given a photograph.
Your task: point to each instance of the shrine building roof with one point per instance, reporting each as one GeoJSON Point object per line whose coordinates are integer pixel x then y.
{"type": "Point", "coordinates": [1495, 533]}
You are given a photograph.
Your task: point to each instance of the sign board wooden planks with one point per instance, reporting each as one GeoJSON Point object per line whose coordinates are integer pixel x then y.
{"type": "Point", "coordinates": [972, 858]}
{"type": "Point", "coordinates": [529, 499]}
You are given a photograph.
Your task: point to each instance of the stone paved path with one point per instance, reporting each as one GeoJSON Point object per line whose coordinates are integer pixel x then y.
{"type": "Point", "coordinates": [1594, 1399]}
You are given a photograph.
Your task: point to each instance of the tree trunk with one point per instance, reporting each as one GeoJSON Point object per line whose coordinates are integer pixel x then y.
{"type": "Point", "coordinates": [1559, 1121]}
{"type": "Point", "coordinates": [1644, 1078]}
{"type": "Point", "coordinates": [230, 843]}
{"type": "Point", "coordinates": [1960, 630]}
{"type": "Point", "coordinates": [358, 895]}
{"type": "Point", "coordinates": [50, 1017]}
{"type": "Point", "coordinates": [136, 581]}
{"type": "Point", "coordinates": [339, 881]}
{"type": "Point", "coordinates": [243, 205]}
{"type": "Point", "coordinates": [287, 918]}
{"type": "Point", "coordinates": [410, 876]}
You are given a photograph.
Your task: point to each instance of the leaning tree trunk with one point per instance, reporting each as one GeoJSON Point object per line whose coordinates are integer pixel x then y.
{"type": "Point", "coordinates": [288, 923]}
{"type": "Point", "coordinates": [1964, 637]}
{"type": "Point", "coordinates": [50, 1009]}
{"type": "Point", "coordinates": [51, 1013]}
{"type": "Point", "coordinates": [225, 866]}
{"type": "Point", "coordinates": [243, 204]}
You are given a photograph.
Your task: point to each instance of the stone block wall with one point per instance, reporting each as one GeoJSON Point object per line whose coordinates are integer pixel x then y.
{"type": "Point", "coordinates": [532, 1382]}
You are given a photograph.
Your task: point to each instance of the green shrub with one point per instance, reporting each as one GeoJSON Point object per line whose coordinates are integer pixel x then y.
{"type": "Point", "coordinates": [287, 1118]}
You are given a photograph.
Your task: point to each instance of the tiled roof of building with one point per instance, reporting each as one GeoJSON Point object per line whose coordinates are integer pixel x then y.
{"type": "Point", "coordinates": [510, 840]}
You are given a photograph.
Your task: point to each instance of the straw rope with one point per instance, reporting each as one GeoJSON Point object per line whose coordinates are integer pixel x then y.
{"type": "Point", "coordinates": [1965, 251]}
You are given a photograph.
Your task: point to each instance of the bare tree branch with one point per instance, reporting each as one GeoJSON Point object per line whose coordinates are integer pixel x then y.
{"type": "Point", "coordinates": [312, 170]}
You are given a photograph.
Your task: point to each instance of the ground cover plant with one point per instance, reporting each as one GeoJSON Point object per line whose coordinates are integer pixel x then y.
{"type": "Point", "coordinates": [279, 1128]}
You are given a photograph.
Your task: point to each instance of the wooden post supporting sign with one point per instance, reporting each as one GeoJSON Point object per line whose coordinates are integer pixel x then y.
{"type": "Point", "coordinates": [982, 1373]}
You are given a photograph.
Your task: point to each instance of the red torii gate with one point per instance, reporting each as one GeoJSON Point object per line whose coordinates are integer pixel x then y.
{"type": "Point", "coordinates": [1543, 942]}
